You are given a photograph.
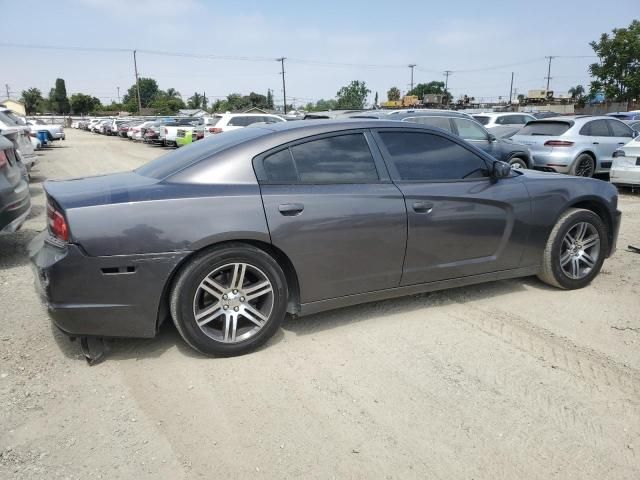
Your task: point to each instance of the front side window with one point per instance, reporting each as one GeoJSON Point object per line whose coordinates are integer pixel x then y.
{"type": "Point", "coordinates": [470, 130]}
{"type": "Point", "coordinates": [619, 129]}
{"type": "Point", "coordinates": [339, 159]}
{"type": "Point", "coordinates": [427, 157]}
{"type": "Point", "coordinates": [596, 128]}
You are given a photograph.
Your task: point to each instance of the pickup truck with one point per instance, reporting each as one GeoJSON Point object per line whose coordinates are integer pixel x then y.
{"type": "Point", "coordinates": [168, 135]}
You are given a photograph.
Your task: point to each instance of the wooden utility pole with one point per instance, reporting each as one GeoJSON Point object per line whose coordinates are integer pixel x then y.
{"type": "Point", "coordinates": [284, 86]}
{"type": "Point", "coordinates": [135, 67]}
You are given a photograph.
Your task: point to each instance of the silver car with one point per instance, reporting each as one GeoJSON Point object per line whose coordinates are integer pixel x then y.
{"type": "Point", "coordinates": [578, 145]}
{"type": "Point", "coordinates": [499, 119]}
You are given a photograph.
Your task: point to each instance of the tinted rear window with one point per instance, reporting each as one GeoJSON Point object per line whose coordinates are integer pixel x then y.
{"type": "Point", "coordinates": [181, 158]}
{"type": "Point", "coordinates": [481, 120]}
{"type": "Point", "coordinates": [547, 129]}
{"type": "Point", "coordinates": [340, 159]}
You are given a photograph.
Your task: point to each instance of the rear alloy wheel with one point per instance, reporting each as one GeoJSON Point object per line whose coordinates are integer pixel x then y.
{"type": "Point", "coordinates": [575, 250]}
{"type": "Point", "coordinates": [518, 163]}
{"type": "Point", "coordinates": [229, 300]}
{"type": "Point", "coordinates": [584, 166]}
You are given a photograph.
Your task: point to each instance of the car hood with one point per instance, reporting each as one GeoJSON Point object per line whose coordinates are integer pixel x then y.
{"type": "Point", "coordinates": [99, 190]}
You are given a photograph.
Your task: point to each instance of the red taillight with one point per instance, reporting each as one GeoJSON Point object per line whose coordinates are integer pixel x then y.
{"type": "Point", "coordinates": [558, 143]}
{"type": "Point", "coordinates": [215, 130]}
{"type": "Point", "coordinates": [57, 223]}
{"type": "Point", "coordinates": [3, 159]}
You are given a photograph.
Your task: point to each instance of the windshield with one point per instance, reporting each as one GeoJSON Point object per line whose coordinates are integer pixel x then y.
{"type": "Point", "coordinates": [181, 158]}
{"type": "Point", "coordinates": [546, 128]}
{"type": "Point", "coordinates": [482, 120]}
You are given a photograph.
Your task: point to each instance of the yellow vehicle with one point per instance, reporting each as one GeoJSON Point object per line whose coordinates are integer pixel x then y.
{"type": "Point", "coordinates": [407, 101]}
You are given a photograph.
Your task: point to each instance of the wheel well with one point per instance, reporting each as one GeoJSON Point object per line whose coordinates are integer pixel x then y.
{"type": "Point", "coordinates": [522, 155]}
{"type": "Point", "coordinates": [283, 260]}
{"type": "Point", "coordinates": [599, 209]}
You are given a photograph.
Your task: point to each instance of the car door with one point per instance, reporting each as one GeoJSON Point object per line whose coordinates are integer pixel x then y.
{"type": "Point", "coordinates": [333, 210]}
{"type": "Point", "coordinates": [600, 142]}
{"type": "Point", "coordinates": [621, 134]}
{"type": "Point", "coordinates": [461, 222]}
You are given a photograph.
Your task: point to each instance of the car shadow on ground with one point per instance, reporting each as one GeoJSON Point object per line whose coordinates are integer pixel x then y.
{"type": "Point", "coordinates": [316, 323]}
{"type": "Point", "coordinates": [13, 247]}
{"type": "Point", "coordinates": [122, 349]}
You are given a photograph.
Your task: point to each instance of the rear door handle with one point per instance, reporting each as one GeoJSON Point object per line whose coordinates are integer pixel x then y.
{"type": "Point", "coordinates": [290, 209]}
{"type": "Point", "coordinates": [596, 143]}
{"type": "Point", "coordinates": [621, 143]}
{"type": "Point", "coordinates": [422, 207]}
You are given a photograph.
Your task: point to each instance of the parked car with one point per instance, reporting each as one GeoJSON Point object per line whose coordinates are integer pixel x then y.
{"type": "Point", "coordinates": [137, 132]}
{"type": "Point", "coordinates": [169, 133]}
{"type": "Point", "coordinates": [104, 127]}
{"type": "Point", "coordinates": [632, 115]}
{"type": "Point", "coordinates": [231, 121]}
{"type": "Point", "coordinates": [227, 235]}
{"type": "Point", "coordinates": [493, 119]}
{"type": "Point", "coordinates": [517, 155]}
{"type": "Point", "coordinates": [10, 124]}
{"type": "Point", "coordinates": [14, 135]}
{"type": "Point", "coordinates": [545, 114]}
{"type": "Point", "coordinates": [15, 200]}
{"type": "Point", "coordinates": [331, 114]}
{"type": "Point", "coordinates": [55, 132]}
{"type": "Point", "coordinates": [625, 170]}
{"type": "Point", "coordinates": [578, 145]}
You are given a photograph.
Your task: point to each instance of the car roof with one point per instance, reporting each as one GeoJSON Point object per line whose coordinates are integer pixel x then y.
{"type": "Point", "coordinates": [228, 114]}
{"type": "Point", "coordinates": [394, 115]}
{"type": "Point", "coordinates": [499, 114]}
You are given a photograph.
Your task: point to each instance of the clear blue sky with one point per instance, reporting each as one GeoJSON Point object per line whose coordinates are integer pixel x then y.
{"type": "Point", "coordinates": [457, 35]}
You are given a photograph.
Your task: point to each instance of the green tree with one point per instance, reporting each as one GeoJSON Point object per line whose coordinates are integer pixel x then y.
{"type": "Point", "coordinates": [166, 105]}
{"type": "Point", "coordinates": [352, 96]}
{"type": "Point", "coordinates": [172, 93]}
{"type": "Point", "coordinates": [148, 92]}
{"type": "Point", "coordinates": [32, 99]}
{"type": "Point", "coordinates": [393, 94]}
{"type": "Point", "coordinates": [617, 72]}
{"type": "Point", "coordinates": [195, 101]}
{"type": "Point", "coordinates": [82, 104]}
{"type": "Point", "coordinates": [258, 100]}
{"type": "Point", "coordinates": [576, 92]}
{"type": "Point", "coordinates": [422, 89]}
{"type": "Point", "coordinates": [58, 98]}
{"type": "Point", "coordinates": [270, 105]}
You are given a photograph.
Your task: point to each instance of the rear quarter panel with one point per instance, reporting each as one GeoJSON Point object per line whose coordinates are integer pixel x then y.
{"type": "Point", "coordinates": [175, 217]}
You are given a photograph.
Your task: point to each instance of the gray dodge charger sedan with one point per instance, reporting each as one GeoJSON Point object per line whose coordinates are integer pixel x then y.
{"type": "Point", "coordinates": [226, 236]}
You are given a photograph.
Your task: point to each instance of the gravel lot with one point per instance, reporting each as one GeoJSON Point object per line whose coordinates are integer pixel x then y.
{"type": "Point", "coordinates": [510, 379]}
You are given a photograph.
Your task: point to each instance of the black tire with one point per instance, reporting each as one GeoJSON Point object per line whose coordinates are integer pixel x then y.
{"type": "Point", "coordinates": [551, 271]}
{"type": "Point", "coordinates": [584, 166]}
{"type": "Point", "coordinates": [186, 285]}
{"type": "Point", "coordinates": [517, 162]}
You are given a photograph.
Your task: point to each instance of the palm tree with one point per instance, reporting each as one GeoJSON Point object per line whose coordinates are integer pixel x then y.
{"type": "Point", "coordinates": [576, 92]}
{"type": "Point", "coordinates": [195, 101]}
{"type": "Point", "coordinates": [173, 93]}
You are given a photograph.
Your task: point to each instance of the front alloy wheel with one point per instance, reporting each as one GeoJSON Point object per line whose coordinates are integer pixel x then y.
{"type": "Point", "coordinates": [580, 250]}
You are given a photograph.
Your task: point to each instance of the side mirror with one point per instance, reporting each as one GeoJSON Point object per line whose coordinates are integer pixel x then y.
{"type": "Point", "coordinates": [500, 170]}
{"type": "Point", "coordinates": [492, 137]}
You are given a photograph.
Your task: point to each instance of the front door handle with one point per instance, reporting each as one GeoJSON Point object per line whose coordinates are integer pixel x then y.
{"type": "Point", "coordinates": [422, 207]}
{"type": "Point", "coordinates": [596, 143]}
{"type": "Point", "coordinates": [290, 209]}
{"type": "Point", "coordinates": [621, 143]}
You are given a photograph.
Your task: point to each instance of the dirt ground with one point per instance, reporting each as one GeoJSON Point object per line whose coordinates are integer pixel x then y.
{"type": "Point", "coordinates": [507, 380]}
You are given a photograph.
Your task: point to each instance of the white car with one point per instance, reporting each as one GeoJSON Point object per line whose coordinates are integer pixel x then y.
{"type": "Point", "coordinates": [625, 170]}
{"type": "Point", "coordinates": [56, 132]}
{"type": "Point", "coordinates": [494, 119]}
{"type": "Point", "coordinates": [231, 121]}
{"type": "Point", "coordinates": [10, 124]}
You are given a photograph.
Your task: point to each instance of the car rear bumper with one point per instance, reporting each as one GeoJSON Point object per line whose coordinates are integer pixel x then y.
{"type": "Point", "coordinates": [553, 161]}
{"type": "Point", "coordinates": [115, 296]}
{"type": "Point", "coordinates": [17, 209]}
{"type": "Point", "coordinates": [625, 175]}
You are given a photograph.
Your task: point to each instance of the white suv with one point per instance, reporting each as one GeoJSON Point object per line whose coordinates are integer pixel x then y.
{"type": "Point", "coordinates": [232, 121]}
{"type": "Point", "coordinates": [511, 119]}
